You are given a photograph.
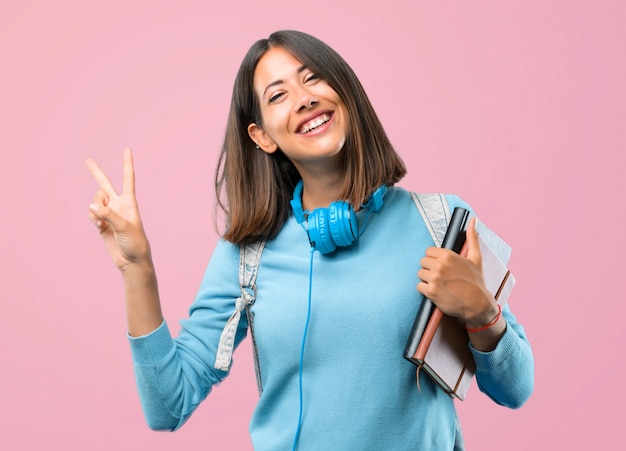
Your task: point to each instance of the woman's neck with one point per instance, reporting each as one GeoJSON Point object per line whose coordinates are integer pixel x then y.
{"type": "Point", "coordinates": [323, 182]}
{"type": "Point", "coordinates": [319, 192]}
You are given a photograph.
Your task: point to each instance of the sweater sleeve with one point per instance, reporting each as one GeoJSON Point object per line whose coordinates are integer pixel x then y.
{"type": "Point", "coordinates": [505, 374]}
{"type": "Point", "coordinates": [174, 375]}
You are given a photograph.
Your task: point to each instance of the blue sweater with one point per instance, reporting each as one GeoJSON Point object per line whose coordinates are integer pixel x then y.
{"type": "Point", "coordinates": [358, 391]}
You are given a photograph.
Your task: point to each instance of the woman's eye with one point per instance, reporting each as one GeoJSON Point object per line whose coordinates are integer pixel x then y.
{"type": "Point", "coordinates": [275, 97]}
{"type": "Point", "coordinates": [311, 77]}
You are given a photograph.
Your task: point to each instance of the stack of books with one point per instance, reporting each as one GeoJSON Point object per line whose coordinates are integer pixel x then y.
{"type": "Point", "coordinates": [438, 344]}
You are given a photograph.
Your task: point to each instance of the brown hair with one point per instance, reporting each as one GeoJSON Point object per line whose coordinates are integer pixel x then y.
{"type": "Point", "coordinates": [258, 186]}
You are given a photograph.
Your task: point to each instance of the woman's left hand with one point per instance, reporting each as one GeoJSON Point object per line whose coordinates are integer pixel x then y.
{"type": "Point", "coordinates": [454, 282]}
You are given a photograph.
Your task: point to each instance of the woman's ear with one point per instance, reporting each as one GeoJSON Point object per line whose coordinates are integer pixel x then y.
{"type": "Point", "coordinates": [262, 139]}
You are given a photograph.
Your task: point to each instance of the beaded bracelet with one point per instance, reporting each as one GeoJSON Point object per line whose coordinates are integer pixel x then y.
{"type": "Point", "coordinates": [487, 326]}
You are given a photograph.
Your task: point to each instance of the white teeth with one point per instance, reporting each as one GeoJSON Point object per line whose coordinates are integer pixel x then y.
{"type": "Point", "coordinates": [315, 123]}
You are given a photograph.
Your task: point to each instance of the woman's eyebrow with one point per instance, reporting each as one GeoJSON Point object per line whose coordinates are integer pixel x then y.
{"type": "Point", "coordinates": [278, 82]}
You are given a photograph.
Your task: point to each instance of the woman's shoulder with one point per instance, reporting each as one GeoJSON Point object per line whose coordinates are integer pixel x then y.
{"type": "Point", "coordinates": [224, 258]}
{"type": "Point", "coordinates": [401, 194]}
{"type": "Point", "coordinates": [221, 276]}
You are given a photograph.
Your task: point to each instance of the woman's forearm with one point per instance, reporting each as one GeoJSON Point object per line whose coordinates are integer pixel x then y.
{"type": "Point", "coordinates": [143, 307]}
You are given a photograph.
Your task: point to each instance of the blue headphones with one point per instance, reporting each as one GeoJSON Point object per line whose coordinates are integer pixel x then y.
{"type": "Point", "coordinates": [336, 225]}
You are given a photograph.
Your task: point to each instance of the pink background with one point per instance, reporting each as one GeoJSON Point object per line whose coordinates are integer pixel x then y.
{"type": "Point", "coordinates": [522, 102]}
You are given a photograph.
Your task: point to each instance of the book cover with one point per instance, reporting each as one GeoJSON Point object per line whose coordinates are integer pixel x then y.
{"type": "Point", "coordinates": [442, 349]}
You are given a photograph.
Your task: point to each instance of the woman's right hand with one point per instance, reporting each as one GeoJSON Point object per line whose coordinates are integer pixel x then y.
{"type": "Point", "coordinates": [117, 216]}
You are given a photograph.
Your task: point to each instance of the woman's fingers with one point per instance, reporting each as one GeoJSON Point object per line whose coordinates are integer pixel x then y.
{"type": "Point", "coordinates": [93, 218]}
{"type": "Point", "coordinates": [128, 175]}
{"type": "Point", "coordinates": [106, 196]}
{"type": "Point", "coordinates": [101, 197]}
{"type": "Point", "coordinates": [128, 172]}
{"type": "Point", "coordinates": [472, 244]}
{"type": "Point", "coordinates": [100, 176]}
{"type": "Point", "coordinates": [102, 212]}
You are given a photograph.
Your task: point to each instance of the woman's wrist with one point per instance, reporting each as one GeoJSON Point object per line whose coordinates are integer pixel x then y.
{"type": "Point", "coordinates": [486, 329]}
{"type": "Point", "coordinates": [481, 311]}
{"type": "Point", "coordinates": [475, 326]}
{"type": "Point", "coordinates": [138, 265]}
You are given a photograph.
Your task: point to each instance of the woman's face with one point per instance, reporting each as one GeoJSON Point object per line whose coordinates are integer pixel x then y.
{"type": "Point", "coordinates": [302, 115]}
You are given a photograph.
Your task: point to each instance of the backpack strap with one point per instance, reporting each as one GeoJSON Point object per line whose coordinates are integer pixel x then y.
{"type": "Point", "coordinates": [249, 257]}
{"type": "Point", "coordinates": [435, 212]}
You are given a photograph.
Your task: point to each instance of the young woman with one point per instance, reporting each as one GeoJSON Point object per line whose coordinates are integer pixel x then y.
{"type": "Point", "coordinates": [336, 288]}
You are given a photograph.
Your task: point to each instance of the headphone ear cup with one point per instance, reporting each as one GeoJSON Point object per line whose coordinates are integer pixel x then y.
{"type": "Point", "coordinates": [342, 223]}
{"type": "Point", "coordinates": [336, 225]}
{"type": "Point", "coordinates": [332, 227]}
{"type": "Point", "coordinates": [319, 232]}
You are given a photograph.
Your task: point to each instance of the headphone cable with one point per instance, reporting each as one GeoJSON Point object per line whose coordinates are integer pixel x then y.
{"type": "Point", "coordinates": [306, 329]}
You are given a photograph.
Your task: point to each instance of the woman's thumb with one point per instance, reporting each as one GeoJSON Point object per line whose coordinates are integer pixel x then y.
{"type": "Point", "coordinates": [471, 238]}
{"type": "Point", "coordinates": [104, 213]}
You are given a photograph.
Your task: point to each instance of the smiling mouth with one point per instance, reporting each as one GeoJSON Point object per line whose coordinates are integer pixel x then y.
{"type": "Point", "coordinates": [315, 123]}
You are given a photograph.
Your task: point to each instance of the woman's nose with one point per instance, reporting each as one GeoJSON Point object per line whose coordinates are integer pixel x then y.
{"type": "Point", "coordinates": [306, 101]}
